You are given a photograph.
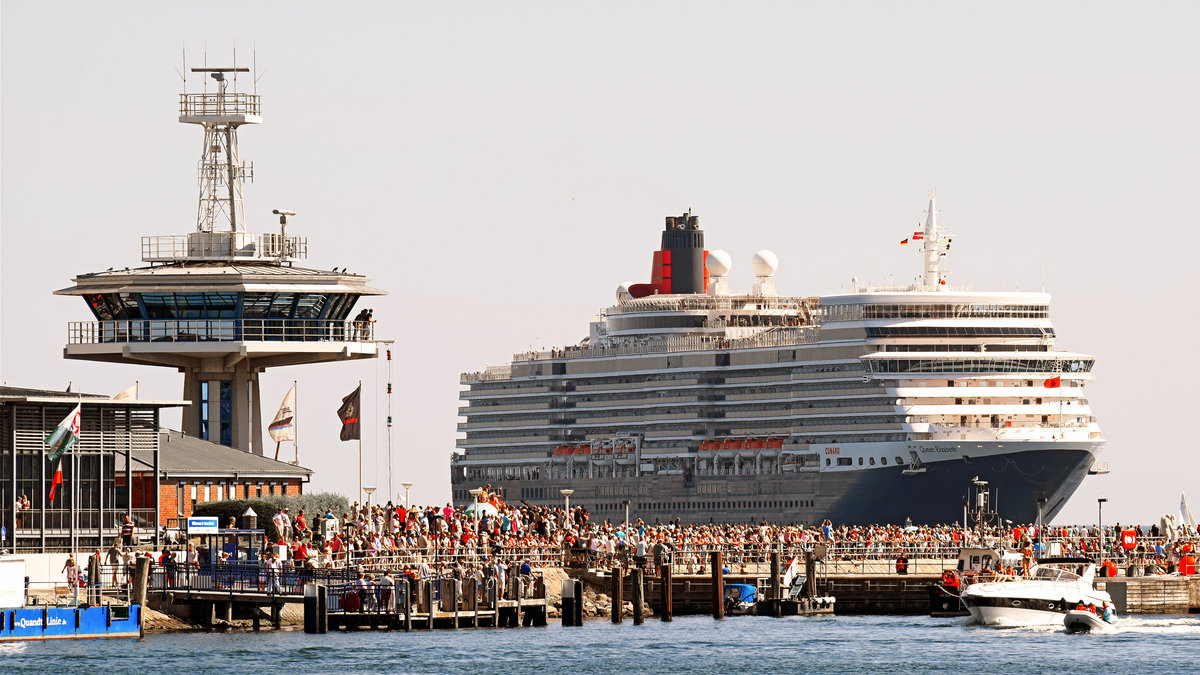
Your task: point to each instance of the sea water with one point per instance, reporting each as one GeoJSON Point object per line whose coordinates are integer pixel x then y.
{"type": "Point", "coordinates": [850, 644]}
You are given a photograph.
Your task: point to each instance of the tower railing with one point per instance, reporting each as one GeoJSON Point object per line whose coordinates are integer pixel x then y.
{"type": "Point", "coordinates": [219, 104]}
{"type": "Point", "coordinates": [244, 246]}
{"type": "Point", "coordinates": [218, 330]}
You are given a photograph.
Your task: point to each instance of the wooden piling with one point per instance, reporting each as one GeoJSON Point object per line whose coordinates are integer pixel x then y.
{"type": "Point", "coordinates": [618, 597]}
{"type": "Point", "coordinates": [717, 561]}
{"type": "Point", "coordinates": [635, 583]}
{"type": "Point", "coordinates": [406, 598]}
{"type": "Point", "coordinates": [93, 580]}
{"type": "Point", "coordinates": [667, 608]}
{"type": "Point", "coordinates": [776, 604]}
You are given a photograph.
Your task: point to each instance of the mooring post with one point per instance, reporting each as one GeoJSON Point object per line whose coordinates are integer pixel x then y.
{"type": "Point", "coordinates": [776, 605]}
{"type": "Point", "coordinates": [717, 560]}
{"type": "Point", "coordinates": [316, 614]}
{"type": "Point", "coordinates": [568, 603]}
{"type": "Point", "coordinates": [618, 600]}
{"type": "Point", "coordinates": [406, 598]}
{"type": "Point", "coordinates": [635, 583]}
{"type": "Point", "coordinates": [667, 607]}
{"type": "Point", "coordinates": [578, 602]}
{"type": "Point", "coordinates": [93, 580]}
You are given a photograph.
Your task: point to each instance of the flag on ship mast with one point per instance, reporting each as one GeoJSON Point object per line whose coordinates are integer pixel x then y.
{"type": "Point", "coordinates": [58, 442]}
{"type": "Point", "coordinates": [348, 413]}
{"type": "Point", "coordinates": [128, 393]}
{"type": "Point", "coordinates": [1053, 383]}
{"type": "Point", "coordinates": [1185, 511]}
{"type": "Point", "coordinates": [904, 242]}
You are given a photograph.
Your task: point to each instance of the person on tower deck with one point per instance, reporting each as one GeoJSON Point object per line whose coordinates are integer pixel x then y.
{"type": "Point", "coordinates": [359, 325]}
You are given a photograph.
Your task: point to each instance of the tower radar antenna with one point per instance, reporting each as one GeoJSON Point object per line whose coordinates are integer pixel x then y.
{"type": "Point", "coordinates": [222, 173]}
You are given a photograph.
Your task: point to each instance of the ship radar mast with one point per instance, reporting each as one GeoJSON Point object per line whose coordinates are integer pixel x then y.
{"type": "Point", "coordinates": [937, 244]}
{"type": "Point", "coordinates": [222, 173]}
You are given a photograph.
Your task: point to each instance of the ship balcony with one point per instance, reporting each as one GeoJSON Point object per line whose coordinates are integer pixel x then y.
{"type": "Point", "coordinates": [1012, 431]}
{"type": "Point", "coordinates": [150, 340]}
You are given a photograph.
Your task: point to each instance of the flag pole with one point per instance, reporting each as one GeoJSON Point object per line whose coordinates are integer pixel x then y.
{"type": "Point", "coordinates": [359, 411]}
{"type": "Point", "coordinates": [296, 423]}
{"type": "Point", "coordinates": [75, 448]}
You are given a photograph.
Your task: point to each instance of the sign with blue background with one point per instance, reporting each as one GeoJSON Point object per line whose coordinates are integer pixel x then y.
{"type": "Point", "coordinates": [202, 525]}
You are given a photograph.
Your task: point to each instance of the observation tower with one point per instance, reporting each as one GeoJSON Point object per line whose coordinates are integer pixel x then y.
{"type": "Point", "coordinates": [222, 304]}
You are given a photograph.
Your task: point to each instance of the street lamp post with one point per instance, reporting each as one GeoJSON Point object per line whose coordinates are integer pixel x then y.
{"type": "Point", "coordinates": [567, 499]}
{"type": "Point", "coordinates": [407, 486]}
{"type": "Point", "coordinates": [1100, 523]}
{"type": "Point", "coordinates": [626, 513]}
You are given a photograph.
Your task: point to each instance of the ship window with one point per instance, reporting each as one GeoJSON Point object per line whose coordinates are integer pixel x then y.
{"type": "Point", "coordinates": [844, 461]}
{"type": "Point", "coordinates": [860, 462]}
{"type": "Point", "coordinates": [872, 461]}
{"type": "Point", "coordinates": [899, 460]}
{"type": "Point", "coordinates": [828, 461]}
{"type": "Point", "coordinates": [883, 461]}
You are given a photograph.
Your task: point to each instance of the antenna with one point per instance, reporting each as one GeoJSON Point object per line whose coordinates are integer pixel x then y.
{"type": "Point", "coordinates": [222, 173]}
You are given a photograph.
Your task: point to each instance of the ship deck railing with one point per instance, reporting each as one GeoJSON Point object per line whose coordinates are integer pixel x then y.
{"type": "Point", "coordinates": [775, 337]}
{"type": "Point", "coordinates": [218, 330]}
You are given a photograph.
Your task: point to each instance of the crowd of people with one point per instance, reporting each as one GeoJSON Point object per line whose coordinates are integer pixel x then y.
{"type": "Point", "coordinates": [436, 539]}
{"type": "Point", "coordinates": [383, 543]}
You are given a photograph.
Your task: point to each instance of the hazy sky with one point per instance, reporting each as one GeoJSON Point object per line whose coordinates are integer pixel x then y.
{"type": "Point", "coordinates": [501, 167]}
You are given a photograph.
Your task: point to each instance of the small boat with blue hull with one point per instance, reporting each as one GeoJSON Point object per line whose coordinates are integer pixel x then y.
{"type": "Point", "coordinates": [22, 621]}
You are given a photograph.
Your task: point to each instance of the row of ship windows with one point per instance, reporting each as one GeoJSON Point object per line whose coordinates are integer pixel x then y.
{"type": "Point", "coordinates": [967, 348]}
{"type": "Point", "coordinates": [933, 311]}
{"type": "Point", "coordinates": [638, 381]}
{"type": "Point", "coordinates": [959, 331]}
{"type": "Point", "coordinates": [846, 461]}
{"type": "Point", "coordinates": [977, 365]}
{"type": "Point", "coordinates": [705, 506]}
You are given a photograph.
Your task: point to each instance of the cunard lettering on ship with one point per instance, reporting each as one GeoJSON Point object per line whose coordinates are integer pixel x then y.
{"type": "Point", "coordinates": [833, 451]}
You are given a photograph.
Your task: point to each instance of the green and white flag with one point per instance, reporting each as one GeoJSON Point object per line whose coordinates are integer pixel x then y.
{"type": "Point", "coordinates": [64, 436]}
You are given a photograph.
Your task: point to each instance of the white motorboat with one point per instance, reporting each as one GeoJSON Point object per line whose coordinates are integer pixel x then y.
{"type": "Point", "coordinates": [1054, 587]}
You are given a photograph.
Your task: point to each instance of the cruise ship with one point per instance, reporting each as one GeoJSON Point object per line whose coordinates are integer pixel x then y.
{"type": "Point", "coordinates": [690, 401]}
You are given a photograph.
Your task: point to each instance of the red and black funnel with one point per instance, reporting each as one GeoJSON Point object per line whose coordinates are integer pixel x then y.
{"type": "Point", "coordinates": [679, 265]}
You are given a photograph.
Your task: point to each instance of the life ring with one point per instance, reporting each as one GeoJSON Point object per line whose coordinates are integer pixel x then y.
{"type": "Point", "coordinates": [949, 578]}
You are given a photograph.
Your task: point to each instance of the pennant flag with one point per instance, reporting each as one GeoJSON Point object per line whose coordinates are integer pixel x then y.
{"type": "Point", "coordinates": [128, 393]}
{"type": "Point", "coordinates": [58, 442]}
{"type": "Point", "coordinates": [904, 242]}
{"type": "Point", "coordinates": [1053, 383]}
{"type": "Point", "coordinates": [348, 413]}
{"type": "Point", "coordinates": [283, 427]}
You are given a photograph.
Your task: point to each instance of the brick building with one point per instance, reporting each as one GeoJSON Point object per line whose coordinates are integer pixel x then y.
{"type": "Point", "coordinates": [193, 471]}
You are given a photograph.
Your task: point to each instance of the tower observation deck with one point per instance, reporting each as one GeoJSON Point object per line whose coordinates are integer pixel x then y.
{"type": "Point", "coordinates": [222, 304]}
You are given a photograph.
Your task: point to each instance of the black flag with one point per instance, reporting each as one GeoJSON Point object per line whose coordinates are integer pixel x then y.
{"type": "Point", "coordinates": [348, 413]}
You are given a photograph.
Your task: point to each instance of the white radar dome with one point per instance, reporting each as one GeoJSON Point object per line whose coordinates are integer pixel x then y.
{"type": "Point", "coordinates": [719, 263]}
{"type": "Point", "coordinates": [623, 289]}
{"type": "Point", "coordinates": [764, 263]}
